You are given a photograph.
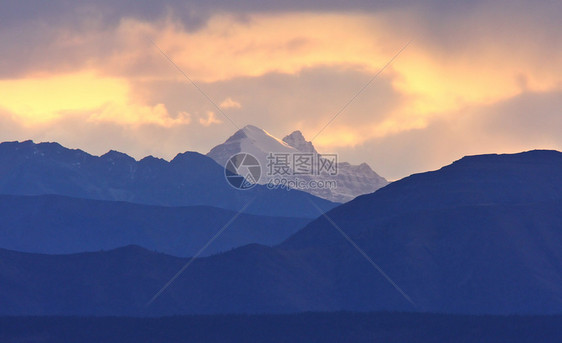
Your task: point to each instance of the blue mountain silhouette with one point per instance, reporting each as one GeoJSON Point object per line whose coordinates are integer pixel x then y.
{"type": "Point", "coordinates": [189, 179]}
{"type": "Point", "coordinates": [481, 236]}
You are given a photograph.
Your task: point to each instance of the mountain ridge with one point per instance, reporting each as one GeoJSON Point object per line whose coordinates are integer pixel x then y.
{"type": "Point", "coordinates": [464, 255]}
{"type": "Point", "coordinates": [57, 224]}
{"type": "Point", "coordinates": [188, 179]}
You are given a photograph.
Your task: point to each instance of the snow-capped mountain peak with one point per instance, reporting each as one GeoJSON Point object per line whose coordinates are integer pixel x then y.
{"type": "Point", "coordinates": [263, 139]}
{"type": "Point", "coordinates": [352, 180]}
{"type": "Point", "coordinates": [297, 141]}
{"type": "Point", "coordinates": [250, 139]}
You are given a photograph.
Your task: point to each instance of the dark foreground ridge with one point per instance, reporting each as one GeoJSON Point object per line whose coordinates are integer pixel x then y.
{"type": "Point", "coordinates": [293, 328]}
{"type": "Point", "coordinates": [481, 236]}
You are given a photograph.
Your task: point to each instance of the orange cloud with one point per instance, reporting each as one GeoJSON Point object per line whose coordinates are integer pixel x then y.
{"type": "Point", "coordinates": [229, 103]}
{"type": "Point", "coordinates": [135, 115]}
{"type": "Point", "coordinates": [432, 81]}
{"type": "Point", "coordinates": [210, 120]}
{"type": "Point", "coordinates": [436, 83]}
{"type": "Point", "coordinates": [227, 48]}
{"type": "Point", "coordinates": [44, 99]}
{"type": "Point", "coordinates": [41, 99]}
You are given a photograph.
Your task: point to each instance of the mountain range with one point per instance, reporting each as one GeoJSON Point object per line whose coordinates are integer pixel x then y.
{"type": "Point", "coordinates": [351, 180]}
{"type": "Point", "coordinates": [53, 224]}
{"type": "Point", "coordinates": [480, 236]}
{"type": "Point", "coordinates": [190, 179]}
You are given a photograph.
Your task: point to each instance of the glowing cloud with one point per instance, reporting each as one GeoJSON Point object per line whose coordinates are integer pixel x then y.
{"type": "Point", "coordinates": [437, 83]}
{"type": "Point", "coordinates": [210, 120]}
{"type": "Point", "coordinates": [41, 99]}
{"type": "Point", "coordinates": [227, 47]}
{"type": "Point", "coordinates": [275, 62]}
{"type": "Point", "coordinates": [229, 103]}
{"type": "Point", "coordinates": [135, 115]}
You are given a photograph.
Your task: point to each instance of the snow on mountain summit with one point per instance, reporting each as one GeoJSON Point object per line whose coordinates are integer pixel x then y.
{"type": "Point", "coordinates": [352, 180]}
{"type": "Point", "coordinates": [250, 139]}
{"type": "Point", "coordinates": [297, 141]}
{"type": "Point", "coordinates": [265, 141]}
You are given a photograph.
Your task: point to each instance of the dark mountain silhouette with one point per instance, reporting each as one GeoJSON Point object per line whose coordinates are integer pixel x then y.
{"type": "Point", "coordinates": [55, 224]}
{"type": "Point", "coordinates": [189, 179]}
{"type": "Point", "coordinates": [301, 327]}
{"type": "Point", "coordinates": [481, 181]}
{"type": "Point", "coordinates": [483, 235]}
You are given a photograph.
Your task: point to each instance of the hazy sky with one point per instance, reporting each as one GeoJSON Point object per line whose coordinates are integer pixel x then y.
{"type": "Point", "coordinates": [478, 77]}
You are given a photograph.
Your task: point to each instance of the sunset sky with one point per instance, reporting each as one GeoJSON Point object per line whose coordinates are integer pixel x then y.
{"type": "Point", "coordinates": [477, 77]}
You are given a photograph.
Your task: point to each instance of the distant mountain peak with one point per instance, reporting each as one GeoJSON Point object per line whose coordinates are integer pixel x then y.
{"type": "Point", "coordinates": [250, 139]}
{"type": "Point", "coordinates": [191, 157]}
{"type": "Point", "coordinates": [113, 155]}
{"type": "Point", "coordinates": [247, 131]}
{"type": "Point", "coordinates": [152, 159]}
{"type": "Point", "coordinates": [297, 141]}
{"type": "Point", "coordinates": [190, 178]}
{"type": "Point", "coordinates": [351, 180]}
{"type": "Point", "coordinates": [252, 128]}
{"type": "Point", "coordinates": [257, 135]}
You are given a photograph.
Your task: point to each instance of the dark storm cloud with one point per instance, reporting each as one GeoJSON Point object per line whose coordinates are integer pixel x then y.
{"type": "Point", "coordinates": [193, 13]}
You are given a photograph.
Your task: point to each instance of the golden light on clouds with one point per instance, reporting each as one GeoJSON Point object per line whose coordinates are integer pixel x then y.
{"type": "Point", "coordinates": [444, 86]}
{"type": "Point", "coordinates": [455, 65]}
{"type": "Point", "coordinates": [41, 99]}
{"type": "Point", "coordinates": [227, 47]}
{"type": "Point", "coordinates": [229, 103]}
{"type": "Point", "coordinates": [211, 119]}
{"type": "Point", "coordinates": [436, 85]}
{"type": "Point", "coordinates": [344, 136]}
{"type": "Point", "coordinates": [135, 115]}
